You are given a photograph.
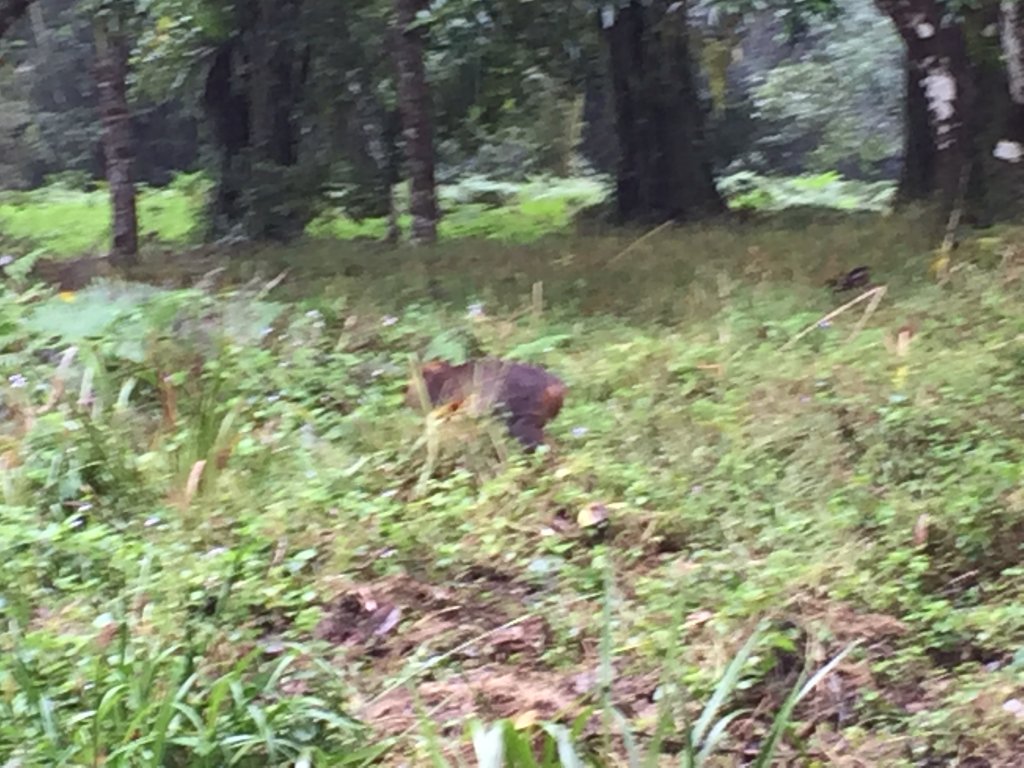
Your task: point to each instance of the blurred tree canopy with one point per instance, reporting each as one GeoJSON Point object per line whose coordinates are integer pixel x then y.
{"type": "Point", "coordinates": [291, 106]}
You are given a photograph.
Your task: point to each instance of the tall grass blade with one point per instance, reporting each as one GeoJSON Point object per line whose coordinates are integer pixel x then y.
{"type": "Point", "coordinates": [489, 744]}
{"type": "Point", "coordinates": [672, 673]}
{"type": "Point", "coordinates": [567, 755]}
{"type": "Point", "coordinates": [726, 685]}
{"type": "Point", "coordinates": [715, 736]}
{"type": "Point", "coordinates": [519, 750]}
{"type": "Point", "coordinates": [784, 715]}
{"type": "Point", "coordinates": [429, 731]}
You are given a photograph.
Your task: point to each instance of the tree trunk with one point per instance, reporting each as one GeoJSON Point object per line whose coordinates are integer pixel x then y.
{"type": "Point", "coordinates": [917, 177]}
{"type": "Point", "coordinates": [369, 133]}
{"type": "Point", "coordinates": [598, 139]}
{"type": "Point", "coordinates": [940, 74]}
{"type": "Point", "coordinates": [992, 189]}
{"type": "Point", "coordinates": [1008, 149]}
{"type": "Point", "coordinates": [227, 111]}
{"type": "Point", "coordinates": [253, 98]}
{"type": "Point", "coordinates": [664, 169]}
{"type": "Point", "coordinates": [1011, 29]}
{"type": "Point", "coordinates": [417, 123]}
{"type": "Point", "coordinates": [10, 12]}
{"type": "Point", "coordinates": [118, 141]}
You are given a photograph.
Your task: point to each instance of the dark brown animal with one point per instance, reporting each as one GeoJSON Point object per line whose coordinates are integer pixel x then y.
{"type": "Point", "coordinates": [526, 396]}
{"type": "Point", "coordinates": [858, 277]}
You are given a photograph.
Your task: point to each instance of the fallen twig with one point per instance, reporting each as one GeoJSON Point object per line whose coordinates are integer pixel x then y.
{"type": "Point", "coordinates": [940, 265]}
{"type": "Point", "coordinates": [878, 291]}
{"type": "Point", "coordinates": [868, 312]}
{"type": "Point", "coordinates": [271, 285]}
{"type": "Point", "coordinates": [639, 240]}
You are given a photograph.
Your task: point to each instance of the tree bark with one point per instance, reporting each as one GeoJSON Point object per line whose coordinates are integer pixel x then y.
{"type": "Point", "coordinates": [254, 97]}
{"type": "Point", "coordinates": [10, 12]}
{"type": "Point", "coordinates": [118, 140]}
{"type": "Point", "coordinates": [1011, 33]}
{"type": "Point", "coordinates": [664, 169]}
{"type": "Point", "coordinates": [414, 104]}
{"type": "Point", "coordinates": [917, 177]}
{"type": "Point", "coordinates": [939, 72]}
{"type": "Point", "coordinates": [227, 111]}
{"type": "Point", "coordinates": [370, 130]}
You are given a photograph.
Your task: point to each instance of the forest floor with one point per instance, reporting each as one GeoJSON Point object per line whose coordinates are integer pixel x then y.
{"type": "Point", "coordinates": [230, 542]}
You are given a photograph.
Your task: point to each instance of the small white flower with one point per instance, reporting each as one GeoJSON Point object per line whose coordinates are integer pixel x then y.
{"type": "Point", "coordinates": [475, 311]}
{"type": "Point", "coordinates": [151, 521]}
{"type": "Point", "coordinates": [389, 320]}
{"type": "Point", "coordinates": [17, 380]}
{"type": "Point", "coordinates": [579, 431]}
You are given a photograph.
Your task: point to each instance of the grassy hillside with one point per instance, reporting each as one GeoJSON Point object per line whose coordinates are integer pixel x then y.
{"type": "Point", "coordinates": [223, 538]}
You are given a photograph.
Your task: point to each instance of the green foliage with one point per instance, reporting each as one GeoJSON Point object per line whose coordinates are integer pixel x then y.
{"type": "Point", "coordinates": [475, 207]}
{"type": "Point", "coordinates": [504, 744]}
{"type": "Point", "coordinates": [184, 492]}
{"type": "Point", "coordinates": [826, 190]}
{"type": "Point", "coordinates": [148, 705]}
{"type": "Point", "coordinates": [71, 222]}
{"type": "Point", "coordinates": [479, 207]}
{"type": "Point", "coordinates": [843, 98]}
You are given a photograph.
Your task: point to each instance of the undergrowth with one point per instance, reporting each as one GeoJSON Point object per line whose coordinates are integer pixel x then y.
{"type": "Point", "coordinates": [65, 220]}
{"type": "Point", "coordinates": [218, 543]}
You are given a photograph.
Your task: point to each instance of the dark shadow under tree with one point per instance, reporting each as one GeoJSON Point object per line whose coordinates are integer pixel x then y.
{"type": "Point", "coordinates": [665, 165]}
{"type": "Point", "coordinates": [10, 12]}
{"type": "Point", "coordinates": [255, 99]}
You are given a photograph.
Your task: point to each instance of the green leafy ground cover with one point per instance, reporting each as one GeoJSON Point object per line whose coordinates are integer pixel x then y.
{"type": "Point", "coordinates": [67, 221]}
{"type": "Point", "coordinates": [219, 542]}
